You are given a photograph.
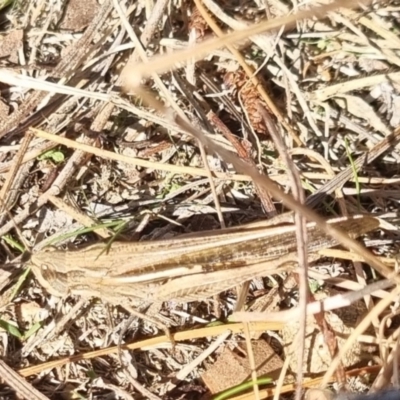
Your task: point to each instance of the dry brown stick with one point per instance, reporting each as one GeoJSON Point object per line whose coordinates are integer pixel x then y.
{"type": "Point", "coordinates": [252, 362]}
{"type": "Point", "coordinates": [19, 384]}
{"type": "Point", "coordinates": [301, 237]}
{"type": "Point", "coordinates": [31, 155]}
{"type": "Point", "coordinates": [243, 153]}
{"type": "Point", "coordinates": [149, 343]}
{"type": "Point", "coordinates": [37, 117]}
{"type": "Point", "coordinates": [132, 160]}
{"type": "Point", "coordinates": [8, 194]}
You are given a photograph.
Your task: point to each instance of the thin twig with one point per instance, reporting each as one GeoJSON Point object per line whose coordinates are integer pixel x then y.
{"type": "Point", "coordinates": [301, 236]}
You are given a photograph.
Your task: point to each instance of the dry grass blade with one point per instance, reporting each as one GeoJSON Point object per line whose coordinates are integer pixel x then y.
{"type": "Point", "coordinates": [131, 160]}
{"type": "Point", "coordinates": [149, 343]}
{"type": "Point", "coordinates": [328, 304]}
{"type": "Point", "coordinates": [163, 64]}
{"type": "Point", "coordinates": [301, 237]}
{"type": "Point", "coordinates": [150, 176]}
{"type": "Point", "coordinates": [19, 384]}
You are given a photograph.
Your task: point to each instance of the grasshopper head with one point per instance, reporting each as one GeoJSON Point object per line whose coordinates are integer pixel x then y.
{"type": "Point", "coordinates": [48, 268]}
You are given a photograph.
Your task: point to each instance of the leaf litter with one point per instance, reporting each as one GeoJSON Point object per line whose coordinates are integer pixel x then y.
{"type": "Point", "coordinates": [330, 86]}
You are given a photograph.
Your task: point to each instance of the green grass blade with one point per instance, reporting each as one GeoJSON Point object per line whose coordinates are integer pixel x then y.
{"type": "Point", "coordinates": [10, 328]}
{"type": "Point", "coordinates": [355, 174]}
{"type": "Point", "coordinates": [227, 394]}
